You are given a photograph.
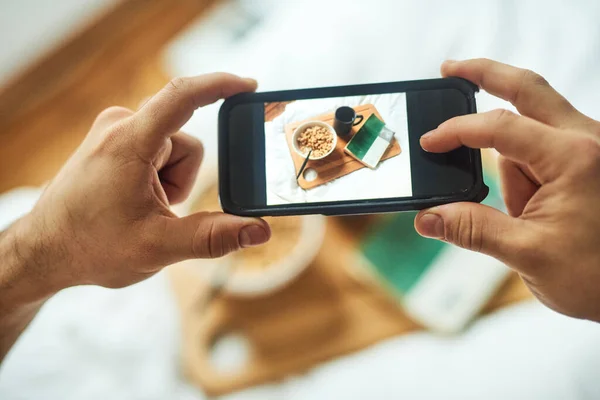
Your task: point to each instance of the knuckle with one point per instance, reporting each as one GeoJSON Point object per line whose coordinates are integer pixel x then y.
{"type": "Point", "coordinates": [221, 76]}
{"type": "Point", "coordinates": [222, 83]}
{"type": "Point", "coordinates": [587, 149]}
{"type": "Point", "coordinates": [114, 136]}
{"type": "Point", "coordinates": [455, 124]}
{"type": "Point", "coordinates": [469, 232]}
{"type": "Point", "coordinates": [595, 128]}
{"type": "Point", "coordinates": [114, 112]}
{"type": "Point", "coordinates": [178, 84]}
{"type": "Point", "coordinates": [180, 88]}
{"type": "Point", "coordinates": [211, 241]}
{"type": "Point", "coordinates": [450, 124]}
{"type": "Point", "coordinates": [500, 119]}
{"type": "Point", "coordinates": [215, 241]}
{"type": "Point", "coordinates": [485, 63]}
{"type": "Point", "coordinates": [114, 142]}
{"type": "Point", "coordinates": [533, 78]}
{"type": "Point", "coordinates": [111, 115]}
{"type": "Point", "coordinates": [196, 145]}
{"type": "Point", "coordinates": [528, 80]}
{"type": "Point", "coordinates": [482, 63]}
{"type": "Point", "coordinates": [501, 115]}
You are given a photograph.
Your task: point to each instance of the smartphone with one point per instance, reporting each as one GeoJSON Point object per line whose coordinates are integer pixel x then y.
{"type": "Point", "coordinates": [345, 150]}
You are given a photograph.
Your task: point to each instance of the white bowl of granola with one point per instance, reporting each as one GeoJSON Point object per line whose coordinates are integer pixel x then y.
{"type": "Point", "coordinates": [316, 136]}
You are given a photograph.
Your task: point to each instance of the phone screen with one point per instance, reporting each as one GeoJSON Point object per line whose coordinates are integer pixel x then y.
{"type": "Point", "coordinates": [341, 147]}
{"type": "Point", "coordinates": [358, 149]}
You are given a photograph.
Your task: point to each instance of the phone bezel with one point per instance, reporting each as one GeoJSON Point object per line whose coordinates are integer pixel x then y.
{"type": "Point", "coordinates": [476, 193]}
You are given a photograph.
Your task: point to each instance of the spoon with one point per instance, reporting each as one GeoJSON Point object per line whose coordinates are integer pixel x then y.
{"type": "Point", "coordinates": [303, 164]}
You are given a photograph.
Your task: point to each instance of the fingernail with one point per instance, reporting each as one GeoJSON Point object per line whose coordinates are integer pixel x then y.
{"type": "Point", "coordinates": [449, 61]}
{"type": "Point", "coordinates": [426, 137]}
{"type": "Point", "coordinates": [432, 226]}
{"type": "Point", "coordinates": [428, 134]}
{"type": "Point", "coordinates": [253, 235]}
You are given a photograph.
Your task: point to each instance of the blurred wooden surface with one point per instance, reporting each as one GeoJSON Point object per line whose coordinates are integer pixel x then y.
{"type": "Point", "coordinates": [332, 309]}
{"type": "Point", "coordinates": [323, 314]}
{"type": "Point", "coordinates": [47, 110]}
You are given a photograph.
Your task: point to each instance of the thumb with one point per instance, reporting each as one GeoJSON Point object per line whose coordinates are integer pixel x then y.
{"type": "Point", "coordinates": [474, 227]}
{"type": "Point", "coordinates": [212, 235]}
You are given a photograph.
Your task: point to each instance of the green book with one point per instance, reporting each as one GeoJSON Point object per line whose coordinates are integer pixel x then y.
{"type": "Point", "coordinates": [399, 254]}
{"type": "Point", "coordinates": [370, 142]}
{"type": "Point", "coordinates": [438, 285]}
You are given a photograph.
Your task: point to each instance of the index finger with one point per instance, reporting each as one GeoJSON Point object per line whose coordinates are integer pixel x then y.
{"type": "Point", "coordinates": [167, 111]}
{"type": "Point", "coordinates": [518, 138]}
{"type": "Point", "coordinates": [528, 91]}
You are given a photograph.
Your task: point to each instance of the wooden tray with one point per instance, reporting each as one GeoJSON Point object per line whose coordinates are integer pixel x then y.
{"type": "Point", "coordinates": [327, 312]}
{"type": "Point", "coordinates": [338, 163]}
{"type": "Point", "coordinates": [332, 309]}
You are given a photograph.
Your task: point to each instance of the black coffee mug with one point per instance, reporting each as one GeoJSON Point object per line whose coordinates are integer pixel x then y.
{"type": "Point", "coordinates": [345, 119]}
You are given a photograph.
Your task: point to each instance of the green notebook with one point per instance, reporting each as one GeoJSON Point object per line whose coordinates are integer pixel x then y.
{"type": "Point", "coordinates": [370, 142]}
{"type": "Point", "coordinates": [438, 285]}
{"type": "Point", "coordinates": [399, 255]}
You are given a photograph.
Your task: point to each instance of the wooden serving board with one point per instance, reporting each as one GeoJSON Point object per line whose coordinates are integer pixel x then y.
{"type": "Point", "coordinates": [338, 163]}
{"type": "Point", "coordinates": [332, 309]}
{"type": "Point", "coordinates": [326, 312]}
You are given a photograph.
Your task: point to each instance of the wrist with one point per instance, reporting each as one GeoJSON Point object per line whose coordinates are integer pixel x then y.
{"type": "Point", "coordinates": [26, 267]}
{"type": "Point", "coordinates": [24, 281]}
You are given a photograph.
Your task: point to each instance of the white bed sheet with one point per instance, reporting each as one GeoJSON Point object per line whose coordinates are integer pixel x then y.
{"type": "Point", "coordinates": [95, 343]}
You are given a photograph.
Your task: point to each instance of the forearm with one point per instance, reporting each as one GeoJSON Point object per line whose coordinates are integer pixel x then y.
{"type": "Point", "coordinates": [22, 287]}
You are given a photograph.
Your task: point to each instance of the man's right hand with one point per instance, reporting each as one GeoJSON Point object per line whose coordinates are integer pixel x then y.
{"type": "Point", "coordinates": [550, 171]}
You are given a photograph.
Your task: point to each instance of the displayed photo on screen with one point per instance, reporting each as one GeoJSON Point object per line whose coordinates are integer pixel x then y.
{"type": "Point", "coordinates": [336, 149]}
